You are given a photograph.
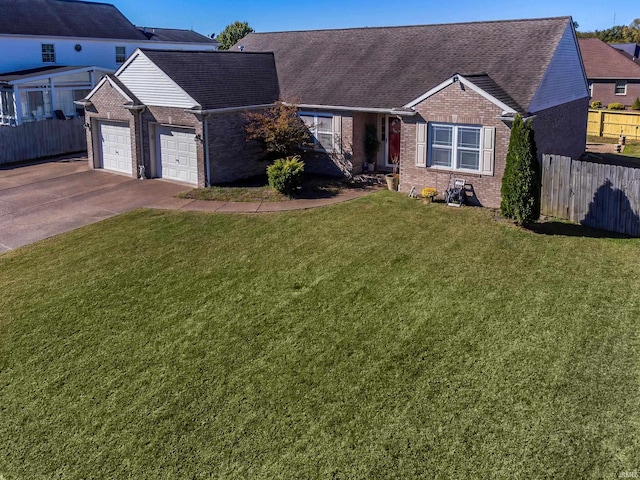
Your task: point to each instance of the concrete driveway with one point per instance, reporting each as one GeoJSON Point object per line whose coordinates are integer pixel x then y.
{"type": "Point", "coordinates": [42, 200]}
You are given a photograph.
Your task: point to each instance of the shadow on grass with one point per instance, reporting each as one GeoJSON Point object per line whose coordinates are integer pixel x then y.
{"type": "Point", "coordinates": [557, 228]}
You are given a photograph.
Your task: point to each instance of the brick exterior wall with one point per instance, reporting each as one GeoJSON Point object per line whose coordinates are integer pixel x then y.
{"type": "Point", "coordinates": [604, 91]}
{"type": "Point", "coordinates": [231, 156]}
{"type": "Point", "coordinates": [562, 130]}
{"type": "Point", "coordinates": [457, 106]}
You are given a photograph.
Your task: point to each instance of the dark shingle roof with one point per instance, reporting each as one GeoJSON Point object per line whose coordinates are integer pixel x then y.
{"type": "Point", "coordinates": [174, 35]}
{"type": "Point", "coordinates": [605, 62]}
{"type": "Point", "coordinates": [390, 66]}
{"type": "Point", "coordinates": [486, 83]}
{"type": "Point", "coordinates": [221, 79]}
{"type": "Point", "coordinates": [65, 18]}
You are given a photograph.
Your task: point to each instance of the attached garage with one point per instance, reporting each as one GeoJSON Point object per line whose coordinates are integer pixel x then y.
{"type": "Point", "coordinates": [177, 154]}
{"type": "Point", "coordinates": [115, 146]}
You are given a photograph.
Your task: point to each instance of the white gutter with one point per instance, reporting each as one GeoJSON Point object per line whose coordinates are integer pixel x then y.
{"type": "Point", "coordinates": [390, 111]}
{"type": "Point", "coordinates": [213, 111]}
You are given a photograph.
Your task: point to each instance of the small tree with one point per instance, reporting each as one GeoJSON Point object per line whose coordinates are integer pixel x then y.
{"type": "Point", "coordinates": [636, 104]}
{"type": "Point", "coordinates": [279, 129]}
{"type": "Point", "coordinates": [232, 34]}
{"type": "Point", "coordinates": [521, 181]}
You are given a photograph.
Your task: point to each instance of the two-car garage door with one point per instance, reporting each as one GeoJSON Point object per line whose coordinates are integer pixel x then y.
{"type": "Point", "coordinates": [175, 151]}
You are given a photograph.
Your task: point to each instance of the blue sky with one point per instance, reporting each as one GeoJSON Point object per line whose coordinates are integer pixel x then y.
{"type": "Point", "coordinates": [211, 16]}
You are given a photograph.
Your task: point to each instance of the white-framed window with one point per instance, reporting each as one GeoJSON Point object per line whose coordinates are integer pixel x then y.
{"type": "Point", "coordinates": [590, 88]}
{"type": "Point", "coordinates": [455, 147]}
{"type": "Point", "coordinates": [48, 53]}
{"type": "Point", "coordinates": [320, 126]}
{"type": "Point", "coordinates": [621, 87]}
{"type": "Point", "coordinates": [121, 54]}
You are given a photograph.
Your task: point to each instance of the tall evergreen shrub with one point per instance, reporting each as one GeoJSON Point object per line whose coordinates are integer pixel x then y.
{"type": "Point", "coordinates": [521, 181]}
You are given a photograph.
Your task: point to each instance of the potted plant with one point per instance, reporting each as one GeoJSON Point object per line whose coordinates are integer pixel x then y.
{"type": "Point", "coordinates": [428, 193]}
{"type": "Point", "coordinates": [393, 179]}
{"type": "Point", "coordinates": [371, 145]}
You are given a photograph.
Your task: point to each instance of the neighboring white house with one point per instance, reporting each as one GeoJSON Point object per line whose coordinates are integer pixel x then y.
{"type": "Point", "coordinates": [54, 52]}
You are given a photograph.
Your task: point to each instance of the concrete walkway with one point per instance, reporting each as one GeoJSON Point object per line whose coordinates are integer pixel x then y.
{"type": "Point", "coordinates": [257, 207]}
{"type": "Point", "coordinates": [38, 201]}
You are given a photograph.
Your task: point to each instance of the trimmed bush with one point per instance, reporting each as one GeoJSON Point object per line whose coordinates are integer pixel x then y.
{"type": "Point", "coordinates": [285, 175]}
{"type": "Point", "coordinates": [596, 104]}
{"type": "Point", "coordinates": [636, 104]}
{"type": "Point", "coordinates": [615, 106]}
{"type": "Point", "coordinates": [521, 181]}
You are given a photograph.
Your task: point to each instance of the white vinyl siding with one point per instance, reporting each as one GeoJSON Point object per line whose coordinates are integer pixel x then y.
{"type": "Point", "coordinates": [321, 128]}
{"type": "Point", "coordinates": [455, 147]}
{"type": "Point", "coordinates": [152, 86]}
{"type": "Point", "coordinates": [564, 79]}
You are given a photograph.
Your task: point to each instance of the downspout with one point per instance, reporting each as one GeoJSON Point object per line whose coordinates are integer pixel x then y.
{"type": "Point", "coordinates": [207, 160]}
{"type": "Point", "coordinates": [142, 167]}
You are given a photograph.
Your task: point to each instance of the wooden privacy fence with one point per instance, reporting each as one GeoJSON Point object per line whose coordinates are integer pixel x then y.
{"type": "Point", "coordinates": [613, 123]}
{"type": "Point", "coordinates": [594, 194]}
{"type": "Point", "coordinates": [41, 139]}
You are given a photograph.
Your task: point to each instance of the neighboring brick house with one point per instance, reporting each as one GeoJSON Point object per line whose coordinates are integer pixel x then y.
{"type": "Point", "coordinates": [180, 115]}
{"type": "Point", "coordinates": [443, 97]}
{"type": "Point", "coordinates": [612, 74]}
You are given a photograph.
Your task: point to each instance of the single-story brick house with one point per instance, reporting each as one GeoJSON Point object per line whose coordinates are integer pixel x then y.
{"type": "Point", "coordinates": [180, 115]}
{"type": "Point", "coordinates": [613, 75]}
{"type": "Point", "coordinates": [442, 98]}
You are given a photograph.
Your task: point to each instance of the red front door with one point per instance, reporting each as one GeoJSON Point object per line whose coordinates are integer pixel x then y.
{"type": "Point", "coordinates": [393, 153]}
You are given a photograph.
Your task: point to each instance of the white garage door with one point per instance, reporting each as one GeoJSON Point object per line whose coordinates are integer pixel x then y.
{"type": "Point", "coordinates": [115, 147]}
{"type": "Point", "coordinates": [178, 158]}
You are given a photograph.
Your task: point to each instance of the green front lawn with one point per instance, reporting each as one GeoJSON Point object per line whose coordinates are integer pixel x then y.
{"type": "Point", "coordinates": [378, 338]}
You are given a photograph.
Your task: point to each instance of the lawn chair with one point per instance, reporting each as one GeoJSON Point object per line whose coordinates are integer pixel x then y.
{"type": "Point", "coordinates": [454, 196]}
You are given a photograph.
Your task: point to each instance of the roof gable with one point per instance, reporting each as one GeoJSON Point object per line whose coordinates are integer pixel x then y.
{"type": "Point", "coordinates": [151, 85]}
{"type": "Point", "coordinates": [564, 79]}
{"type": "Point", "coordinates": [219, 79]}
{"type": "Point", "coordinates": [388, 67]}
{"type": "Point", "coordinates": [601, 61]}
{"type": "Point", "coordinates": [482, 84]}
{"type": "Point", "coordinates": [65, 18]}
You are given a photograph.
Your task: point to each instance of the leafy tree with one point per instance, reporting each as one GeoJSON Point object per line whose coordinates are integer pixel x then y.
{"type": "Point", "coordinates": [521, 181]}
{"type": "Point", "coordinates": [636, 104]}
{"type": "Point", "coordinates": [279, 129]}
{"type": "Point", "coordinates": [616, 34]}
{"type": "Point", "coordinates": [232, 34]}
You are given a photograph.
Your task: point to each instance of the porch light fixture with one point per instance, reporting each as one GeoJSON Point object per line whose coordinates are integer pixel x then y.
{"type": "Point", "coordinates": [87, 126]}
{"type": "Point", "coordinates": [198, 138]}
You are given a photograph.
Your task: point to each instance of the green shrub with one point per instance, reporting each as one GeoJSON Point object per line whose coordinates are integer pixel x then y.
{"type": "Point", "coordinates": [596, 104]}
{"type": "Point", "coordinates": [521, 181]}
{"type": "Point", "coordinates": [636, 104]}
{"type": "Point", "coordinates": [285, 175]}
{"type": "Point", "coordinates": [615, 106]}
